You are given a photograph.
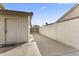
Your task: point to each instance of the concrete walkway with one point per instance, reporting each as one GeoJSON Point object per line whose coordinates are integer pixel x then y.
{"type": "Point", "coordinates": [26, 49]}
{"type": "Point", "coordinates": [6, 48]}
{"type": "Point", "coordinates": [50, 47]}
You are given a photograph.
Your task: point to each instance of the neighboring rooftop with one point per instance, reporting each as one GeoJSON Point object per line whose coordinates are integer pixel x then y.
{"type": "Point", "coordinates": [74, 7]}
{"type": "Point", "coordinates": [69, 15]}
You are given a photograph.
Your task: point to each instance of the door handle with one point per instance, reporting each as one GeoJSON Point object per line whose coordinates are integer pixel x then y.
{"type": "Point", "coordinates": [5, 31]}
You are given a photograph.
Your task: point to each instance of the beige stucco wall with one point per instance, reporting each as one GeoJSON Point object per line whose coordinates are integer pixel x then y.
{"type": "Point", "coordinates": [72, 14]}
{"type": "Point", "coordinates": [67, 32]}
{"type": "Point", "coordinates": [49, 31]}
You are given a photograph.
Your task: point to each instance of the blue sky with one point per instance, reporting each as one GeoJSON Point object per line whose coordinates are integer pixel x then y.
{"type": "Point", "coordinates": [42, 12]}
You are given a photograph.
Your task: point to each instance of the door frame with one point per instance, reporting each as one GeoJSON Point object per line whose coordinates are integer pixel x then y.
{"type": "Point", "coordinates": [5, 28]}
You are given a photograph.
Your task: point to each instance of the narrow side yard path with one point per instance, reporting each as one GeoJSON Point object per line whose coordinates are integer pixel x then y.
{"type": "Point", "coordinates": [26, 49]}
{"type": "Point", "coordinates": [50, 47]}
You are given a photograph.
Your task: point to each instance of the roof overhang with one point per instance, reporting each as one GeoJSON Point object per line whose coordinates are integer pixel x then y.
{"type": "Point", "coordinates": [13, 12]}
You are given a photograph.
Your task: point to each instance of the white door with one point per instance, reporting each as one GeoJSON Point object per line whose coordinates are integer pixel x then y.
{"type": "Point", "coordinates": [11, 30]}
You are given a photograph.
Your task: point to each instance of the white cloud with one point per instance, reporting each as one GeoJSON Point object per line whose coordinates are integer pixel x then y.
{"type": "Point", "coordinates": [42, 8]}
{"type": "Point", "coordinates": [63, 3]}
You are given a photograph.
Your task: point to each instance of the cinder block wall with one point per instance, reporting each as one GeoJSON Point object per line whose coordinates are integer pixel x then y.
{"type": "Point", "coordinates": [66, 32]}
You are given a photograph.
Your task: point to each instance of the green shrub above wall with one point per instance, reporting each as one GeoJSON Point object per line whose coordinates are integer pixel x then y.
{"type": "Point", "coordinates": [1, 6]}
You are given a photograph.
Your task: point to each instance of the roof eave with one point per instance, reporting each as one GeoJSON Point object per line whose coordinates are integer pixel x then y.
{"type": "Point", "coordinates": [59, 20]}
{"type": "Point", "coordinates": [11, 12]}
